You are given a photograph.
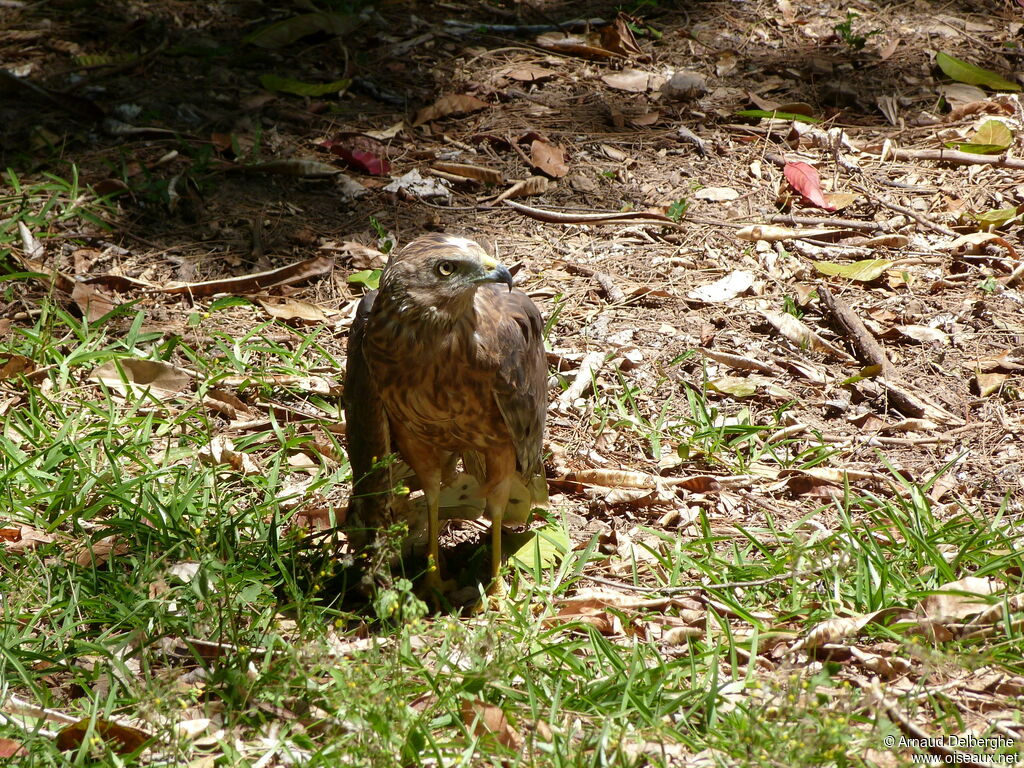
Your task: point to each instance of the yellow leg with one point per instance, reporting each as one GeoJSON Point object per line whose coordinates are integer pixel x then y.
{"type": "Point", "coordinates": [497, 500]}
{"type": "Point", "coordinates": [433, 583]}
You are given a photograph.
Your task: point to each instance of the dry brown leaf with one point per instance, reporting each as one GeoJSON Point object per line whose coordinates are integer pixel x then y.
{"type": "Point", "coordinates": [990, 383]}
{"type": "Point", "coordinates": [254, 283]}
{"type": "Point", "coordinates": [362, 256]}
{"type": "Point", "coordinates": [23, 538]}
{"type": "Point", "coordinates": [488, 720]}
{"type": "Point", "coordinates": [292, 309]}
{"type": "Point", "coordinates": [92, 303]}
{"type": "Point", "coordinates": [316, 384]}
{"type": "Point", "coordinates": [96, 553]}
{"type": "Point", "coordinates": [10, 748]}
{"type": "Point", "coordinates": [630, 80]}
{"type": "Point", "coordinates": [833, 630]}
{"type": "Point", "coordinates": [614, 478]}
{"type": "Point", "coordinates": [226, 404]}
{"type": "Point", "coordinates": [575, 45]}
{"type": "Point", "coordinates": [794, 330]}
{"type": "Point", "coordinates": [529, 74]}
{"type": "Point", "coordinates": [221, 450]}
{"type": "Point", "coordinates": [122, 739]}
{"type": "Point", "coordinates": [548, 158]}
{"type": "Point", "coordinates": [618, 38]}
{"type": "Point", "coordinates": [12, 366]}
{"type": "Point", "coordinates": [475, 172]}
{"type": "Point", "coordinates": [161, 380]}
{"type": "Point", "coordinates": [646, 119]}
{"type": "Point", "coordinates": [924, 334]}
{"type": "Point", "coordinates": [449, 105]}
{"type": "Point", "coordinates": [960, 599]}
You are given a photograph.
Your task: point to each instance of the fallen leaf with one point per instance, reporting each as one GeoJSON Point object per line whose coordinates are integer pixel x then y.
{"type": "Point", "coordinates": [286, 32]}
{"type": "Point", "coordinates": [122, 739]}
{"type": "Point", "coordinates": [96, 553]}
{"type": "Point", "coordinates": [388, 133]}
{"type": "Point", "coordinates": [475, 172]}
{"type": "Point", "coordinates": [488, 720]}
{"type": "Point", "coordinates": [631, 80]}
{"type": "Point", "coordinates": [797, 332]}
{"type": "Point", "coordinates": [991, 138]}
{"type": "Point", "coordinates": [806, 181]}
{"type": "Point", "coordinates": [728, 287]}
{"type": "Point", "coordinates": [530, 74]}
{"type": "Point", "coordinates": [544, 547]}
{"type": "Point", "coordinates": [12, 366]}
{"type": "Point", "coordinates": [254, 283]}
{"type": "Point", "coordinates": [861, 271]}
{"type": "Point", "coordinates": [94, 304]}
{"type": "Point", "coordinates": [11, 748]}
{"type": "Point", "coordinates": [548, 158]}
{"type": "Point", "coordinates": [924, 334]}
{"type": "Point", "coordinates": [618, 38]}
{"type": "Point", "coordinates": [292, 309]}
{"type": "Point", "coordinates": [575, 45]}
{"type": "Point", "coordinates": [360, 152]}
{"type": "Point", "coordinates": [965, 72]}
{"type": "Point", "coordinates": [832, 630]}
{"type": "Point", "coordinates": [960, 599]}
{"type": "Point", "coordinates": [447, 106]}
{"type": "Point", "coordinates": [989, 383]}
{"type": "Point", "coordinates": [413, 186]}
{"type": "Point", "coordinates": [840, 200]}
{"type": "Point", "coordinates": [141, 377]}
{"type": "Point", "coordinates": [716, 194]}
{"type": "Point", "coordinates": [300, 88]}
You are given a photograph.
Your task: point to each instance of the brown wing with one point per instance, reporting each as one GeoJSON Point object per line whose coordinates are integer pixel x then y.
{"type": "Point", "coordinates": [514, 335]}
{"type": "Point", "coordinates": [366, 432]}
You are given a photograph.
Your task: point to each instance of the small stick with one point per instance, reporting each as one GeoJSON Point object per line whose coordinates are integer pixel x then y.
{"type": "Point", "coordinates": [923, 221]}
{"type": "Point", "coordinates": [612, 291]}
{"type": "Point", "coordinates": [589, 367]}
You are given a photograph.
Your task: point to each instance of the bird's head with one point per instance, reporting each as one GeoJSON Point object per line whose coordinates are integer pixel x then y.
{"type": "Point", "coordinates": [441, 272]}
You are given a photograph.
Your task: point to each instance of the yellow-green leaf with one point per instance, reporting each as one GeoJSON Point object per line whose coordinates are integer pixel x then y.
{"type": "Point", "coordinates": [737, 386]}
{"type": "Point", "coordinates": [288, 31]}
{"type": "Point", "coordinates": [991, 138]}
{"type": "Point", "coordinates": [368, 278]}
{"type": "Point", "coordinates": [545, 546]}
{"type": "Point", "coordinates": [965, 72]}
{"type": "Point", "coordinates": [287, 85]}
{"type": "Point", "coordinates": [997, 217]}
{"type": "Point", "coordinates": [864, 271]}
{"type": "Point", "coordinates": [768, 114]}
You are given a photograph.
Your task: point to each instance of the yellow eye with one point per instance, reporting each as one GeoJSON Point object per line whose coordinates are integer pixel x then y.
{"type": "Point", "coordinates": [446, 268]}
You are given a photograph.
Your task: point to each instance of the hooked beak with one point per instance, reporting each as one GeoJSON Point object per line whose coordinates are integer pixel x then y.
{"type": "Point", "coordinates": [499, 272]}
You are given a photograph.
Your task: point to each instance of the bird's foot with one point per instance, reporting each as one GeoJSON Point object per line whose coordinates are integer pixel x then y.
{"type": "Point", "coordinates": [494, 597]}
{"type": "Point", "coordinates": [433, 589]}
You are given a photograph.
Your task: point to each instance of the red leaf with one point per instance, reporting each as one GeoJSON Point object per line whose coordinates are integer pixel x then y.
{"type": "Point", "coordinates": [359, 152]}
{"type": "Point", "coordinates": [806, 181]}
{"type": "Point", "coordinates": [11, 748]}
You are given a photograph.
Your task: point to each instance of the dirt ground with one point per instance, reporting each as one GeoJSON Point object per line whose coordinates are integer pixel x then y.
{"type": "Point", "coordinates": [221, 178]}
{"type": "Point", "coordinates": [177, 106]}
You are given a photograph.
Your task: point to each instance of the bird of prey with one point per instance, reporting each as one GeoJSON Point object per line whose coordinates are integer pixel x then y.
{"type": "Point", "coordinates": [445, 362]}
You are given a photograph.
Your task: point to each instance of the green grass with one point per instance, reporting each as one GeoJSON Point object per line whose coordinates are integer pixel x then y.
{"type": "Point", "coordinates": [214, 610]}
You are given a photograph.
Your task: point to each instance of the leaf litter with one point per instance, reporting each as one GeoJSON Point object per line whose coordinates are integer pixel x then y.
{"type": "Point", "coordinates": [730, 280]}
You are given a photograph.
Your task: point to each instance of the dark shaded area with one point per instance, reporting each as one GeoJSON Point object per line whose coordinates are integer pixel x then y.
{"type": "Point", "coordinates": [117, 87]}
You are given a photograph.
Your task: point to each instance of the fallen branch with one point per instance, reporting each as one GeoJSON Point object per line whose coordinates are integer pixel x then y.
{"type": "Point", "coordinates": [613, 293]}
{"type": "Point", "coordinates": [870, 352]}
{"type": "Point", "coordinates": [951, 156]}
{"type": "Point", "coordinates": [922, 220]}
{"type": "Point", "coordinates": [560, 217]}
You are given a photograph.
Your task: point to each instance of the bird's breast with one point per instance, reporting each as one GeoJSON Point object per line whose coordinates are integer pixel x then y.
{"type": "Point", "coordinates": [437, 384]}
